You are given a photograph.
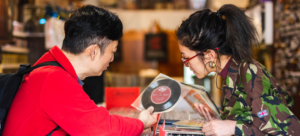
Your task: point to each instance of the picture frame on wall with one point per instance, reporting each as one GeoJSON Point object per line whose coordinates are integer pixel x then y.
{"type": "Point", "coordinates": [156, 47]}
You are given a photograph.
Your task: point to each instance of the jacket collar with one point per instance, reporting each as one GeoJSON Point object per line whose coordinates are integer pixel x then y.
{"type": "Point", "coordinates": [55, 54]}
{"type": "Point", "coordinates": [230, 83]}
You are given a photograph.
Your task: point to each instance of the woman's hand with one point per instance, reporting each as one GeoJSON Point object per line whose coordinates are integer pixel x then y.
{"type": "Point", "coordinates": [219, 127]}
{"type": "Point", "coordinates": [202, 111]}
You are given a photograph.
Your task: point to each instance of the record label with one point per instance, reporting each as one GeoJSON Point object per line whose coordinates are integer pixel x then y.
{"type": "Point", "coordinates": [161, 95]}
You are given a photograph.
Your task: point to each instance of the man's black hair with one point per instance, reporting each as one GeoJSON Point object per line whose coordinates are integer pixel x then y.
{"type": "Point", "coordinates": [91, 25]}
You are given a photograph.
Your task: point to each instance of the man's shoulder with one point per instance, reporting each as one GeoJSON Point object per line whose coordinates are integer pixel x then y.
{"type": "Point", "coordinates": [55, 80]}
{"type": "Point", "coordinates": [51, 72]}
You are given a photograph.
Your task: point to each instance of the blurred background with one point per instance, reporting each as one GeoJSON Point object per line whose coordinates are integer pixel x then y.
{"type": "Point", "coordinates": [29, 28]}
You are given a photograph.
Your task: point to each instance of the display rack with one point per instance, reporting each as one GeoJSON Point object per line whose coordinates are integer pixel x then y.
{"type": "Point", "coordinates": [35, 43]}
{"type": "Point", "coordinates": [287, 49]}
{"type": "Point", "coordinates": [12, 57]}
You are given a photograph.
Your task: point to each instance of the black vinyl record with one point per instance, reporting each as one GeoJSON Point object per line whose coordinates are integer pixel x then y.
{"type": "Point", "coordinates": [162, 95]}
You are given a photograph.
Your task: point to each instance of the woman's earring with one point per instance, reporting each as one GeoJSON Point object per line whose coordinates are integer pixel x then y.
{"type": "Point", "coordinates": [212, 64]}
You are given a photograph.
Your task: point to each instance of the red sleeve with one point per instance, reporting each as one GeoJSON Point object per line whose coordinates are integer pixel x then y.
{"type": "Point", "coordinates": [64, 101]}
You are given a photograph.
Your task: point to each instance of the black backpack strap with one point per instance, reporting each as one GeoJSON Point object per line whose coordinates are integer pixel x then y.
{"type": "Point", "coordinates": [53, 131]}
{"type": "Point", "coordinates": [28, 70]}
{"type": "Point", "coordinates": [23, 67]}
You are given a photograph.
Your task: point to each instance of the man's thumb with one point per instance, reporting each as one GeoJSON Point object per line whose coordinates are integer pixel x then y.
{"type": "Point", "coordinates": [150, 109]}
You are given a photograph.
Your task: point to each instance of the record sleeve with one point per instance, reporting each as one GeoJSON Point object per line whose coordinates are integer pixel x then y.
{"type": "Point", "coordinates": [163, 93]}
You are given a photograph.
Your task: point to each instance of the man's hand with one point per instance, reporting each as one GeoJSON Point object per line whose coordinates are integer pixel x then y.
{"type": "Point", "coordinates": [148, 118]}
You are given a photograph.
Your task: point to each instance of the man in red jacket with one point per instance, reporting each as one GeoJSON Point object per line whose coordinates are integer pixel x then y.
{"type": "Point", "coordinates": [52, 96]}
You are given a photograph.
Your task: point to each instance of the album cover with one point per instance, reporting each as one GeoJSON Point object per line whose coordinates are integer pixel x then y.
{"type": "Point", "coordinates": [197, 94]}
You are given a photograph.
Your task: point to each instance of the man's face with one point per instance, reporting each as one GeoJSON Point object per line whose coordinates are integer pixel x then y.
{"type": "Point", "coordinates": [102, 60]}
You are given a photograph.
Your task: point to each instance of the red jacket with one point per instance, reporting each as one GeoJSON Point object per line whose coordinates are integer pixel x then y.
{"type": "Point", "coordinates": [51, 96]}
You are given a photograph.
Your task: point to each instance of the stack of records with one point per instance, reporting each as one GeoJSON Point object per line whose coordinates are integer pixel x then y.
{"type": "Point", "coordinates": [191, 127]}
{"type": "Point", "coordinates": [189, 124]}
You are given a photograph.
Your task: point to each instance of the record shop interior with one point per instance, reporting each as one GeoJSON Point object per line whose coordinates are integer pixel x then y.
{"type": "Point", "coordinates": [147, 67]}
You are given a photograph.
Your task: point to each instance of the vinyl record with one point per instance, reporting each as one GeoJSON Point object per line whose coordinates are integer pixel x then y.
{"type": "Point", "coordinates": [162, 95]}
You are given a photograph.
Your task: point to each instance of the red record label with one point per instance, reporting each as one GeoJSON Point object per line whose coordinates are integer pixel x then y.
{"type": "Point", "coordinates": [161, 94]}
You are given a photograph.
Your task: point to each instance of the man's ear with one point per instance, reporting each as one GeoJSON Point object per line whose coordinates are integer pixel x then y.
{"type": "Point", "coordinates": [92, 51]}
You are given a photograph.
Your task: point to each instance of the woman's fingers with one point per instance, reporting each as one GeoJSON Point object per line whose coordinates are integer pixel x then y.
{"type": "Point", "coordinates": [207, 129]}
{"type": "Point", "coordinates": [202, 110]}
{"type": "Point", "coordinates": [198, 109]}
{"type": "Point", "coordinates": [208, 114]}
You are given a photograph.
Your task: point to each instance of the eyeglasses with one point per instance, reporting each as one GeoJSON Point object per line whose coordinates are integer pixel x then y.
{"type": "Point", "coordinates": [185, 61]}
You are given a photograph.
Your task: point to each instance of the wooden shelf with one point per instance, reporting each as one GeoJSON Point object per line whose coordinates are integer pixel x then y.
{"type": "Point", "coordinates": [13, 49]}
{"type": "Point", "coordinates": [10, 66]}
{"type": "Point", "coordinates": [26, 34]}
{"type": "Point", "coordinates": [294, 74]}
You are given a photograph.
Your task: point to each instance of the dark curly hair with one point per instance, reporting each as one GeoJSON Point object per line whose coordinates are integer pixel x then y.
{"type": "Point", "coordinates": [91, 25]}
{"type": "Point", "coordinates": [228, 28]}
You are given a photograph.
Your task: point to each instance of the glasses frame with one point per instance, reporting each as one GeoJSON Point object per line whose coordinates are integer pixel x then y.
{"type": "Point", "coordinates": [185, 62]}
